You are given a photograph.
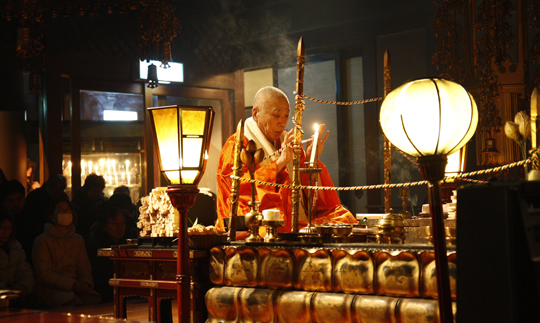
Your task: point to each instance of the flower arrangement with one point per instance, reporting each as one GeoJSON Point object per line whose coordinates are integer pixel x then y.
{"type": "Point", "coordinates": [519, 131]}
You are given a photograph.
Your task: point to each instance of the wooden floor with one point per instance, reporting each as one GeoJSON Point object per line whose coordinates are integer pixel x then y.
{"type": "Point", "coordinates": [137, 310]}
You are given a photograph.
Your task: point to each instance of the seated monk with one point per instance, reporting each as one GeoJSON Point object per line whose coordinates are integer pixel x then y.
{"type": "Point", "coordinates": [267, 128]}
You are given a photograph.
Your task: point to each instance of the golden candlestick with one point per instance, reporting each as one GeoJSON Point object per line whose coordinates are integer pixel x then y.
{"type": "Point", "coordinates": [297, 146]}
{"type": "Point", "coordinates": [387, 144]}
{"type": "Point", "coordinates": [235, 185]}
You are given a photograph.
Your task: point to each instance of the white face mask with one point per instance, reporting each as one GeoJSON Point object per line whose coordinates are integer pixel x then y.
{"type": "Point", "coordinates": [65, 219]}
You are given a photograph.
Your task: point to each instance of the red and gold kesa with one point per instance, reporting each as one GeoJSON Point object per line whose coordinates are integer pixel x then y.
{"type": "Point", "coordinates": [293, 306]}
{"type": "Point", "coordinates": [314, 270]}
{"type": "Point", "coordinates": [428, 279]}
{"type": "Point", "coordinates": [222, 305]}
{"type": "Point", "coordinates": [332, 307]}
{"type": "Point", "coordinates": [241, 267]}
{"type": "Point", "coordinates": [353, 271]}
{"type": "Point", "coordinates": [397, 274]}
{"type": "Point", "coordinates": [256, 305]}
{"type": "Point", "coordinates": [276, 268]}
{"type": "Point", "coordinates": [217, 265]}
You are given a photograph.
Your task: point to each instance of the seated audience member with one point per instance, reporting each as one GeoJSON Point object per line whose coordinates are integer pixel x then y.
{"type": "Point", "coordinates": [123, 201]}
{"type": "Point", "coordinates": [15, 271]}
{"type": "Point", "coordinates": [88, 199]}
{"type": "Point", "coordinates": [63, 271]}
{"type": "Point", "coordinates": [109, 230]}
{"type": "Point", "coordinates": [266, 128]}
{"type": "Point", "coordinates": [25, 225]}
{"type": "Point", "coordinates": [38, 201]}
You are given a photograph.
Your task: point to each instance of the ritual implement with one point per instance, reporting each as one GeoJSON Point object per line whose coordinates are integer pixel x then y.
{"type": "Point", "coordinates": [235, 185]}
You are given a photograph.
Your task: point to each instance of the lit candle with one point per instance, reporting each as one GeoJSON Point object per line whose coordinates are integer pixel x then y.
{"type": "Point", "coordinates": [115, 180]}
{"type": "Point", "coordinates": [314, 145]}
{"type": "Point", "coordinates": [128, 178]}
{"type": "Point", "coordinates": [83, 167]}
{"type": "Point", "coordinates": [271, 215]}
{"type": "Point", "coordinates": [89, 167]}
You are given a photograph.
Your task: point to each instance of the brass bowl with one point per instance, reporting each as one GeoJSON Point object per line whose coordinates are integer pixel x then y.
{"type": "Point", "coordinates": [341, 230]}
{"type": "Point", "coordinates": [325, 229]}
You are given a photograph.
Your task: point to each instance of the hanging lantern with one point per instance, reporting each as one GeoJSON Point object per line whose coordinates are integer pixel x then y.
{"type": "Point", "coordinates": [152, 76]}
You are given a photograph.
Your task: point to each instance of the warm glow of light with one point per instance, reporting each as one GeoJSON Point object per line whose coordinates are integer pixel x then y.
{"type": "Point", "coordinates": [175, 73]}
{"type": "Point", "coordinates": [191, 150]}
{"type": "Point", "coordinates": [316, 127]}
{"type": "Point", "coordinates": [115, 115]}
{"type": "Point", "coordinates": [456, 163]}
{"type": "Point", "coordinates": [429, 117]}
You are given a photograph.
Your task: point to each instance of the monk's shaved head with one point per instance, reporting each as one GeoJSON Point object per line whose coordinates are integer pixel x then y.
{"type": "Point", "coordinates": [271, 111]}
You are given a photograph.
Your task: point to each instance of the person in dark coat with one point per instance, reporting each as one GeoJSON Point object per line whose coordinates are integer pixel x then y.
{"type": "Point", "coordinates": [88, 199]}
{"type": "Point", "coordinates": [25, 225]}
{"type": "Point", "coordinates": [108, 230]}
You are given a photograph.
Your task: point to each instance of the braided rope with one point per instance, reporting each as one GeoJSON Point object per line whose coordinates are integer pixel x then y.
{"type": "Point", "coordinates": [338, 102]}
{"type": "Point", "coordinates": [395, 185]}
{"type": "Point", "coordinates": [535, 158]}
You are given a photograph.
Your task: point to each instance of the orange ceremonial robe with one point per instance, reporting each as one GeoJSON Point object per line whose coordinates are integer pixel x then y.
{"type": "Point", "coordinates": [328, 209]}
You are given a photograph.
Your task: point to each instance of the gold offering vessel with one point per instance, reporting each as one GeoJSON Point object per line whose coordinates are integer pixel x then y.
{"type": "Point", "coordinates": [391, 228]}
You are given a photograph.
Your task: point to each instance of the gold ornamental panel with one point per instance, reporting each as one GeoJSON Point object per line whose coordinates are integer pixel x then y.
{"type": "Point", "coordinates": [241, 267]}
{"type": "Point", "coordinates": [142, 253]}
{"type": "Point", "coordinates": [217, 264]}
{"type": "Point", "coordinates": [256, 305]}
{"type": "Point", "coordinates": [222, 305]}
{"type": "Point", "coordinates": [397, 274]}
{"type": "Point", "coordinates": [414, 310]}
{"type": "Point", "coordinates": [135, 269]}
{"type": "Point", "coordinates": [276, 268]}
{"type": "Point", "coordinates": [105, 253]}
{"type": "Point", "coordinates": [314, 270]}
{"type": "Point", "coordinates": [293, 306]}
{"type": "Point", "coordinates": [374, 309]}
{"type": "Point", "coordinates": [428, 281]}
{"type": "Point", "coordinates": [332, 307]}
{"type": "Point", "coordinates": [353, 271]}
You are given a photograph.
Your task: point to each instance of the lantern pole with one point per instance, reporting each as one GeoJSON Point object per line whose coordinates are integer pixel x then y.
{"type": "Point", "coordinates": [183, 198]}
{"type": "Point", "coordinates": [297, 146]}
{"type": "Point", "coordinates": [432, 170]}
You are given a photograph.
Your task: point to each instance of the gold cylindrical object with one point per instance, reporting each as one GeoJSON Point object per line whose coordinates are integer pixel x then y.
{"type": "Point", "coordinates": [387, 143]}
{"type": "Point", "coordinates": [297, 146]}
{"type": "Point", "coordinates": [235, 184]}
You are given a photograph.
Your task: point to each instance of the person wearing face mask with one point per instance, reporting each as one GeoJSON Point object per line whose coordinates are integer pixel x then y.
{"type": "Point", "coordinates": [63, 271]}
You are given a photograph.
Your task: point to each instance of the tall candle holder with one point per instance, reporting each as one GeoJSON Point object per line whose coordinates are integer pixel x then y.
{"type": "Point", "coordinates": [312, 171]}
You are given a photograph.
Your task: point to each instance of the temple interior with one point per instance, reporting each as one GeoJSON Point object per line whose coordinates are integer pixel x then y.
{"type": "Point", "coordinates": [79, 79]}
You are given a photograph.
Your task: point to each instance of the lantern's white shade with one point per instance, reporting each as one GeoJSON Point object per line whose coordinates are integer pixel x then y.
{"type": "Point", "coordinates": [182, 136]}
{"type": "Point", "coordinates": [428, 117]}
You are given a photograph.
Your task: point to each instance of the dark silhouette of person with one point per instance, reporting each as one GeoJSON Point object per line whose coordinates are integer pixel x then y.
{"type": "Point", "coordinates": [38, 201]}
{"type": "Point", "coordinates": [108, 230]}
{"type": "Point", "coordinates": [123, 201]}
{"type": "Point", "coordinates": [15, 271]}
{"type": "Point", "coordinates": [88, 199]}
{"type": "Point", "coordinates": [26, 227]}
